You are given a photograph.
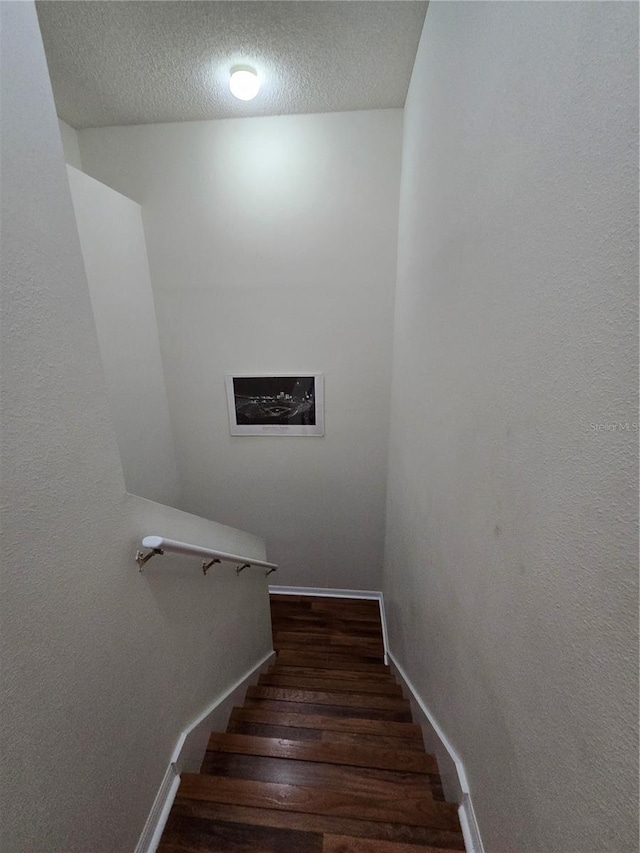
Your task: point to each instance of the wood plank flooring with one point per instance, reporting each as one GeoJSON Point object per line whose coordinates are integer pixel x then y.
{"type": "Point", "coordinates": [323, 757]}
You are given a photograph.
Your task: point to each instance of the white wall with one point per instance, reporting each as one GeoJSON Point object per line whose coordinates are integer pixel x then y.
{"type": "Point", "coordinates": [70, 145]}
{"type": "Point", "coordinates": [272, 247]}
{"type": "Point", "coordinates": [102, 666]}
{"type": "Point", "coordinates": [512, 550]}
{"type": "Point", "coordinates": [115, 260]}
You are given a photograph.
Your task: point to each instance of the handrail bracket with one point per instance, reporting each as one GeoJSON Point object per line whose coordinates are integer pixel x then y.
{"type": "Point", "coordinates": [206, 566]}
{"type": "Point", "coordinates": [141, 558]}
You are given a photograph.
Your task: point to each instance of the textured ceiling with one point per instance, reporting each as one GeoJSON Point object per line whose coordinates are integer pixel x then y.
{"type": "Point", "coordinates": [114, 63]}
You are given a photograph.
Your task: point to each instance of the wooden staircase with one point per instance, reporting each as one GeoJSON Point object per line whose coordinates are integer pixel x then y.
{"type": "Point", "coordinates": [323, 757]}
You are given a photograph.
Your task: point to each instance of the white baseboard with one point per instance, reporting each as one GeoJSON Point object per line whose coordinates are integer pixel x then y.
{"type": "Point", "coordinates": [434, 736]}
{"type": "Point", "coordinates": [188, 754]}
{"type": "Point", "coordinates": [326, 592]}
{"type": "Point", "coordinates": [154, 827]}
{"type": "Point", "coordinates": [192, 743]}
{"type": "Point", "coordinates": [452, 772]}
{"type": "Point", "coordinates": [469, 826]}
{"type": "Point", "coordinates": [323, 591]}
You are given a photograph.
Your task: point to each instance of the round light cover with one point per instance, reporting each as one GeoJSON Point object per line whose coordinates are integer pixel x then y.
{"type": "Point", "coordinates": [244, 83]}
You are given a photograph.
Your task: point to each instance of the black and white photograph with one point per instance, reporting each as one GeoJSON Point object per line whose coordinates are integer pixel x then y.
{"type": "Point", "coordinates": [286, 404]}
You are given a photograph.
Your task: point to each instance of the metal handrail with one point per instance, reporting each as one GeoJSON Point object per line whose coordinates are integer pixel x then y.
{"type": "Point", "coordinates": [158, 545]}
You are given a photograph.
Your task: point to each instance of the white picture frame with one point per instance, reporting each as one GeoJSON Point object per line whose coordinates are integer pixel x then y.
{"type": "Point", "coordinates": [275, 403]}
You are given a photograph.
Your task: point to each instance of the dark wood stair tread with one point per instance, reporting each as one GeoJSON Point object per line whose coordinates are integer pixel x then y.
{"type": "Point", "coordinates": [330, 637]}
{"type": "Point", "coordinates": [386, 831]}
{"type": "Point", "coordinates": [326, 697]}
{"type": "Point", "coordinates": [412, 809]}
{"type": "Point", "coordinates": [341, 674]}
{"type": "Point", "coordinates": [327, 641]}
{"type": "Point", "coordinates": [334, 776]}
{"type": "Point", "coordinates": [321, 683]}
{"type": "Point", "coordinates": [239, 727]}
{"type": "Point", "coordinates": [396, 716]}
{"type": "Point", "coordinates": [327, 753]}
{"type": "Point", "coordinates": [323, 660]}
{"type": "Point", "coordinates": [350, 658]}
{"type": "Point", "coordinates": [313, 774]}
{"type": "Point", "coordinates": [328, 723]}
{"type": "Point", "coordinates": [199, 835]}
{"type": "Point", "coordinates": [377, 741]}
{"type": "Point", "coordinates": [290, 621]}
{"type": "Point", "coordinates": [349, 844]}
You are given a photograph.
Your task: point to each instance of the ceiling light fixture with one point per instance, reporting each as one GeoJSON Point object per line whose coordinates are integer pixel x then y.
{"type": "Point", "coordinates": [244, 82]}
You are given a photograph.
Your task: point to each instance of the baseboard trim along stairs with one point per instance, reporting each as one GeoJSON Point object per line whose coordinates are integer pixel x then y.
{"type": "Point", "coordinates": [325, 756]}
{"type": "Point", "coordinates": [189, 752]}
{"type": "Point", "coordinates": [450, 766]}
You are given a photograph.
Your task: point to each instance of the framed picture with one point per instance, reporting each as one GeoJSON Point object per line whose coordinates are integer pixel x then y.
{"type": "Point", "coordinates": [282, 404]}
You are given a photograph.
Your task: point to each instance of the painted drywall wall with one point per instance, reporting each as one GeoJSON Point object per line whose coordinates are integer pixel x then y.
{"type": "Point", "coordinates": [70, 145]}
{"type": "Point", "coordinates": [102, 666]}
{"type": "Point", "coordinates": [272, 247]}
{"type": "Point", "coordinates": [512, 550]}
{"type": "Point", "coordinates": [115, 262]}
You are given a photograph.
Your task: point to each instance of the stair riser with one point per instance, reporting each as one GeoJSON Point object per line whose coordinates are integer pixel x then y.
{"type": "Point", "coordinates": [329, 710]}
{"type": "Point", "coordinates": [401, 808]}
{"type": "Point", "coordinates": [320, 697]}
{"type": "Point", "coordinates": [326, 753]}
{"type": "Point", "coordinates": [358, 829]}
{"type": "Point", "coordinates": [325, 722]}
{"type": "Point", "coordinates": [324, 684]}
